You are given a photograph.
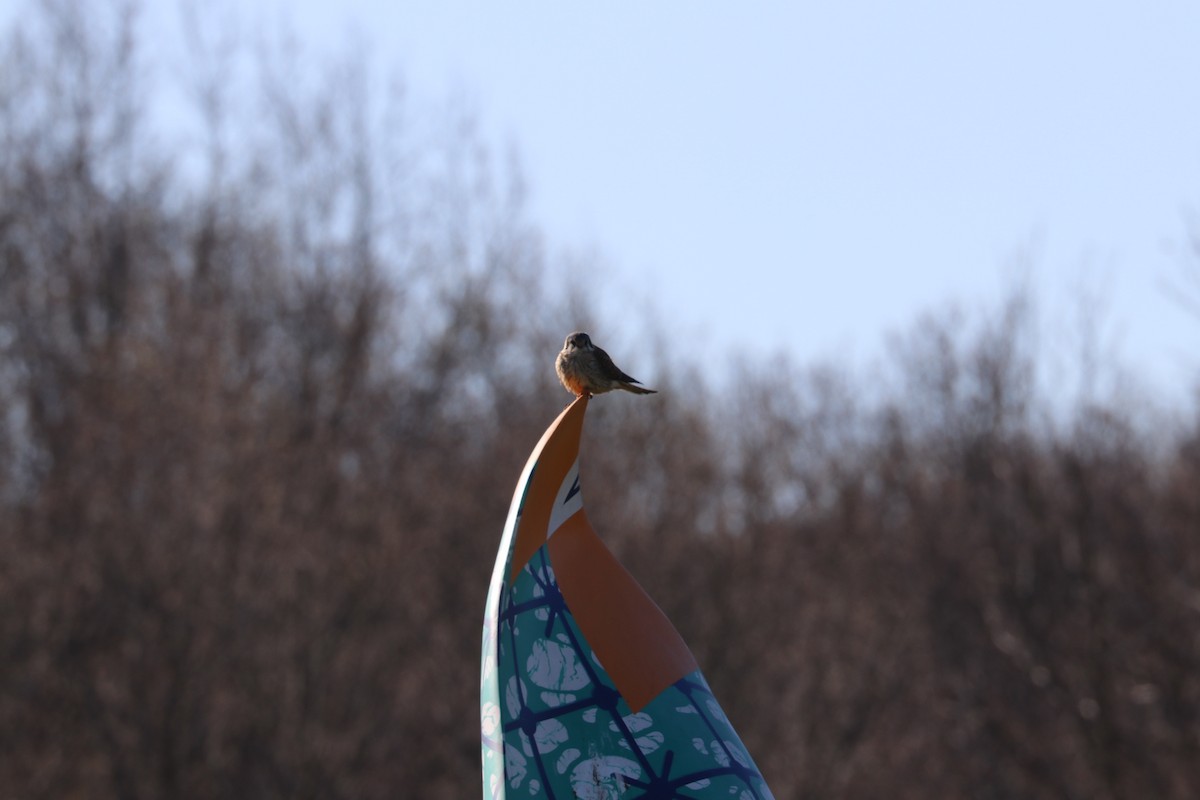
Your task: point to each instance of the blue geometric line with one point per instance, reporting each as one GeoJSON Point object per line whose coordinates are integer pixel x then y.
{"type": "Point", "coordinates": [550, 713]}
{"type": "Point", "coordinates": [524, 707]}
{"type": "Point", "coordinates": [687, 687]}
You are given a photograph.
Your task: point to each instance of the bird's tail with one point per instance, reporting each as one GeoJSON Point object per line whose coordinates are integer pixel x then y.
{"type": "Point", "coordinates": [629, 387]}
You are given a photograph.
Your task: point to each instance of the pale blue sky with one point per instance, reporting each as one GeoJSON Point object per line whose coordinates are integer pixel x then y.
{"type": "Point", "coordinates": [810, 177]}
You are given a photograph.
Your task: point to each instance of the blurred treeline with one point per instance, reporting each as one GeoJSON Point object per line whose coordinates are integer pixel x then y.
{"type": "Point", "coordinates": [264, 395]}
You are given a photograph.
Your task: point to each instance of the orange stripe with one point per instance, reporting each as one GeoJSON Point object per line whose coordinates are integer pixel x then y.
{"type": "Point", "coordinates": [555, 453]}
{"type": "Point", "coordinates": [635, 642]}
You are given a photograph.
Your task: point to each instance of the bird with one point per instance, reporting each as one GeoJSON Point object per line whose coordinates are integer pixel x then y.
{"type": "Point", "coordinates": [586, 370]}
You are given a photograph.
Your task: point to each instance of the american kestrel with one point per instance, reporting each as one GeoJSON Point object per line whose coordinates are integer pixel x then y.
{"type": "Point", "coordinates": [586, 369]}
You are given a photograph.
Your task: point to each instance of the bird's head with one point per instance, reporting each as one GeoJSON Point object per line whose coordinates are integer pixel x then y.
{"type": "Point", "coordinates": [578, 340]}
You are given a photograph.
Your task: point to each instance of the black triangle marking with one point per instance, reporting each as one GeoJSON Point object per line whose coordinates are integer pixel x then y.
{"type": "Point", "coordinates": [574, 490]}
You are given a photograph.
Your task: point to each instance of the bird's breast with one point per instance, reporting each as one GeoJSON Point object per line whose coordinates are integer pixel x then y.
{"type": "Point", "coordinates": [571, 373]}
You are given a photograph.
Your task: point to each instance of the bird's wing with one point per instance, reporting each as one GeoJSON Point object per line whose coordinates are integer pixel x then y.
{"type": "Point", "coordinates": [610, 369]}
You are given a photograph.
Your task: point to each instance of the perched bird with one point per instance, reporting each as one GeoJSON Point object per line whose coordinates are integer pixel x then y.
{"type": "Point", "coordinates": [587, 370]}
